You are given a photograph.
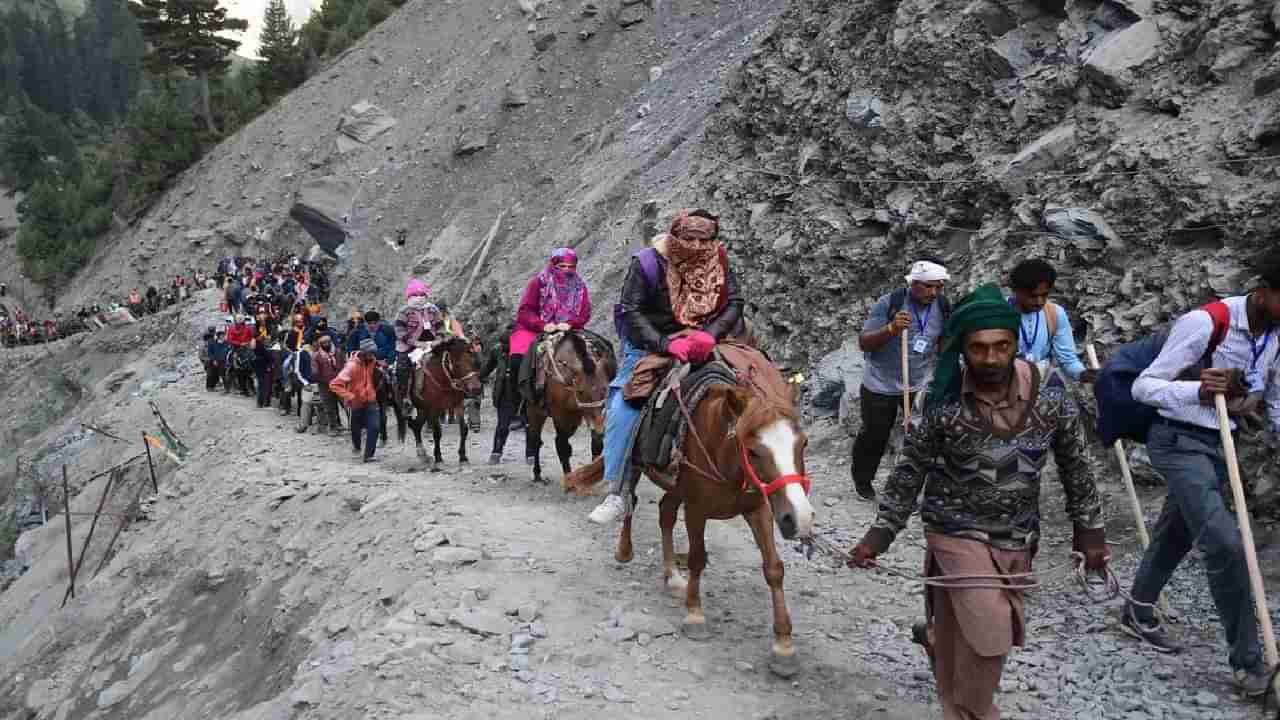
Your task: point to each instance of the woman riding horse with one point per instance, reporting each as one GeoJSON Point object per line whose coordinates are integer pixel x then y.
{"type": "Point", "coordinates": [555, 300]}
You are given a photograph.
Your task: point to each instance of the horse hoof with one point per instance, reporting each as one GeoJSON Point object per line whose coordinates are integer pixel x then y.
{"type": "Point", "coordinates": [463, 461]}
{"type": "Point", "coordinates": [623, 557]}
{"type": "Point", "coordinates": [530, 461]}
{"type": "Point", "coordinates": [677, 586]}
{"type": "Point", "coordinates": [784, 666]}
{"type": "Point", "coordinates": [697, 630]}
{"type": "Point", "coordinates": [435, 467]}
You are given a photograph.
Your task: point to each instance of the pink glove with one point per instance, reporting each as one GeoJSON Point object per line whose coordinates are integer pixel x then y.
{"type": "Point", "coordinates": [703, 344]}
{"type": "Point", "coordinates": [681, 348]}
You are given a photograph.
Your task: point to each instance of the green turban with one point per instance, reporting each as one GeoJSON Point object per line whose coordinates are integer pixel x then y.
{"type": "Point", "coordinates": [982, 309]}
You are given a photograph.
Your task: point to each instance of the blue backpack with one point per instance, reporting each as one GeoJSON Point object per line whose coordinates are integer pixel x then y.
{"type": "Point", "coordinates": [1120, 417]}
{"type": "Point", "coordinates": [649, 265]}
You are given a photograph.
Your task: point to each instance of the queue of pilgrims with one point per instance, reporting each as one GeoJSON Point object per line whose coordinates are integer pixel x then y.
{"type": "Point", "coordinates": [17, 327]}
{"type": "Point", "coordinates": [993, 367]}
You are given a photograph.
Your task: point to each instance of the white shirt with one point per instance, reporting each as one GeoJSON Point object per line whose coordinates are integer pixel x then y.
{"type": "Point", "coordinates": [1179, 400]}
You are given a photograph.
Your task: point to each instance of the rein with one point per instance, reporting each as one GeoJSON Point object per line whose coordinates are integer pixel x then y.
{"type": "Point", "coordinates": [748, 470]}
{"type": "Point", "coordinates": [452, 383]}
{"type": "Point", "coordinates": [555, 369]}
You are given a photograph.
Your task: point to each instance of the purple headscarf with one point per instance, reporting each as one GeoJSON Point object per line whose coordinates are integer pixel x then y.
{"type": "Point", "coordinates": [561, 292]}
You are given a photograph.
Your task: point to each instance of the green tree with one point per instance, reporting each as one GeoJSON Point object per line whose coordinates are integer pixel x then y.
{"type": "Point", "coordinates": [188, 35]}
{"type": "Point", "coordinates": [357, 21]}
{"type": "Point", "coordinates": [281, 69]}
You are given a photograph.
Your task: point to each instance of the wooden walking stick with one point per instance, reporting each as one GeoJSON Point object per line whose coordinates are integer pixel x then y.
{"type": "Point", "coordinates": [1126, 475]}
{"type": "Point", "coordinates": [1246, 533]}
{"type": "Point", "coordinates": [906, 383]}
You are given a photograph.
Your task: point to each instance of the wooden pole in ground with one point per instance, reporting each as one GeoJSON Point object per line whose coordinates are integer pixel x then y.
{"type": "Point", "coordinates": [1246, 532]}
{"type": "Point", "coordinates": [71, 565]}
{"type": "Point", "coordinates": [150, 466]}
{"type": "Point", "coordinates": [84, 547]}
{"type": "Point", "coordinates": [1126, 475]}
{"type": "Point", "coordinates": [906, 382]}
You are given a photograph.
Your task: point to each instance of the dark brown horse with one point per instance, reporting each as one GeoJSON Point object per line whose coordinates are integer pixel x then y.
{"type": "Point", "coordinates": [441, 382]}
{"type": "Point", "coordinates": [743, 456]}
{"type": "Point", "coordinates": [577, 372]}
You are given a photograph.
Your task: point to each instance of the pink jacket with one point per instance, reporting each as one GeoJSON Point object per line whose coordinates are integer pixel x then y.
{"type": "Point", "coordinates": [529, 321]}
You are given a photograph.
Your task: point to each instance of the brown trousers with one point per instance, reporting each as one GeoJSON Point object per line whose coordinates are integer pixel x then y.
{"type": "Point", "coordinates": [972, 630]}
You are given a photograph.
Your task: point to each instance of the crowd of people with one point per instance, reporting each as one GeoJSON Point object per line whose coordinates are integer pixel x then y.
{"type": "Point", "coordinates": [990, 373]}
{"type": "Point", "coordinates": [19, 328]}
{"type": "Point", "coordinates": [277, 346]}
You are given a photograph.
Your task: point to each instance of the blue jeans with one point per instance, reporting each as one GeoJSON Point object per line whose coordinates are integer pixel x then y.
{"type": "Point", "coordinates": [366, 420]}
{"type": "Point", "coordinates": [1195, 514]}
{"type": "Point", "coordinates": [620, 420]}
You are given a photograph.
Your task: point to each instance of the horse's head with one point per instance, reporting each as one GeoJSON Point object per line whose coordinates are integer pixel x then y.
{"type": "Point", "coordinates": [461, 370]}
{"type": "Point", "coordinates": [772, 447]}
{"type": "Point", "coordinates": [584, 373]}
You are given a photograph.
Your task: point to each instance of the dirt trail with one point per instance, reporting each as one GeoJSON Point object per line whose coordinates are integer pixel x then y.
{"type": "Point", "coordinates": [276, 577]}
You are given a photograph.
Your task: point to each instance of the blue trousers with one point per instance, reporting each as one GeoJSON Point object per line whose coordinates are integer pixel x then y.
{"type": "Point", "coordinates": [1195, 513]}
{"type": "Point", "coordinates": [620, 420]}
{"type": "Point", "coordinates": [366, 421]}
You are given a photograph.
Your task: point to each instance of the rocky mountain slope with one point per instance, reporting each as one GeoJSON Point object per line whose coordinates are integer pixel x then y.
{"type": "Point", "coordinates": [1129, 140]}
{"type": "Point", "coordinates": [551, 121]}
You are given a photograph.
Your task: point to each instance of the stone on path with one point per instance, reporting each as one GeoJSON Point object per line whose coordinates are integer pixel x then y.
{"type": "Point", "coordinates": [481, 622]}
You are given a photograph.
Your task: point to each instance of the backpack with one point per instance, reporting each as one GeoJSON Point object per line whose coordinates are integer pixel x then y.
{"type": "Point", "coordinates": [1120, 417]}
{"type": "Point", "coordinates": [648, 258]}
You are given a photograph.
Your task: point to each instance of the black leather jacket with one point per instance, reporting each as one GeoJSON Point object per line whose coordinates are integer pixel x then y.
{"type": "Point", "coordinates": [649, 319]}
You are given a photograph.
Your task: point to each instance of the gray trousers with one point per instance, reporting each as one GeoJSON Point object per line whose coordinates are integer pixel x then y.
{"type": "Point", "coordinates": [1195, 513]}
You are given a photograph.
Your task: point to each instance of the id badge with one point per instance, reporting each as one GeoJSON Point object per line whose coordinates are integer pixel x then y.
{"type": "Point", "coordinates": [920, 346]}
{"type": "Point", "coordinates": [1253, 378]}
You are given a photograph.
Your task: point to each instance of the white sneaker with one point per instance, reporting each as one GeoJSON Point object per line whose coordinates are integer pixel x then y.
{"type": "Point", "coordinates": [609, 511]}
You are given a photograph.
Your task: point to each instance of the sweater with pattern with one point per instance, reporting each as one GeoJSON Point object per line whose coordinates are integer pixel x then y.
{"type": "Point", "coordinates": [984, 484]}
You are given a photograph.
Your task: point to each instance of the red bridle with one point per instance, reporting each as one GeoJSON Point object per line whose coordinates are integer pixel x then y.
{"type": "Point", "coordinates": [749, 473]}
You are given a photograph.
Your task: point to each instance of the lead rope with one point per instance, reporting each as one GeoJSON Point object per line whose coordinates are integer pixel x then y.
{"type": "Point", "coordinates": [1104, 589]}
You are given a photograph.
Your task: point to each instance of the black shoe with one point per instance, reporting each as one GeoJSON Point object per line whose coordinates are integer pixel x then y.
{"type": "Point", "coordinates": [1153, 635]}
{"type": "Point", "coordinates": [865, 489]}
{"type": "Point", "coordinates": [1252, 682]}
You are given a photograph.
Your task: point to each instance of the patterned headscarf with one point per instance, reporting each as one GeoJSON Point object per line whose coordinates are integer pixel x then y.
{"type": "Point", "coordinates": [695, 274]}
{"type": "Point", "coordinates": [982, 309]}
{"type": "Point", "coordinates": [561, 293]}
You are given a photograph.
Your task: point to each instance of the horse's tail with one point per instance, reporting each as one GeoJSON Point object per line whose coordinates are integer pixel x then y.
{"type": "Point", "coordinates": [580, 481]}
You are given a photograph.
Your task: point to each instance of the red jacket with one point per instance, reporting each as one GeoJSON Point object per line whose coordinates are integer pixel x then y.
{"type": "Point", "coordinates": [356, 383]}
{"type": "Point", "coordinates": [239, 335]}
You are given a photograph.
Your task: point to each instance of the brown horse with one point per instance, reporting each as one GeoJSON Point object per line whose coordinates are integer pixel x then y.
{"type": "Point", "coordinates": [441, 382]}
{"type": "Point", "coordinates": [577, 384]}
{"type": "Point", "coordinates": [743, 456]}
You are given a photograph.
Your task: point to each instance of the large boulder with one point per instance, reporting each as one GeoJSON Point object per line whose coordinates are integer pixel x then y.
{"type": "Point", "coordinates": [1045, 153]}
{"type": "Point", "coordinates": [1112, 66]}
{"type": "Point", "coordinates": [323, 207]}
{"type": "Point", "coordinates": [361, 124]}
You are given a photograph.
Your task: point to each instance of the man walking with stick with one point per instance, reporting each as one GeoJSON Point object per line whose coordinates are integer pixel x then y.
{"type": "Point", "coordinates": [908, 320]}
{"type": "Point", "coordinates": [1186, 448]}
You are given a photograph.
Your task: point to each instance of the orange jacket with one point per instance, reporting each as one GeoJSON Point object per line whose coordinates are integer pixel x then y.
{"type": "Point", "coordinates": [355, 384]}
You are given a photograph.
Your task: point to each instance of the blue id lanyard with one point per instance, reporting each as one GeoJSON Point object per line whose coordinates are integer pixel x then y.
{"type": "Point", "coordinates": [1258, 351]}
{"type": "Point", "coordinates": [1028, 347]}
{"type": "Point", "coordinates": [924, 323]}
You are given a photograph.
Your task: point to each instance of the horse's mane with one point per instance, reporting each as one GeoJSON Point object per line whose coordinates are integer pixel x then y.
{"type": "Point", "coordinates": [580, 346]}
{"type": "Point", "coordinates": [760, 413]}
{"type": "Point", "coordinates": [450, 345]}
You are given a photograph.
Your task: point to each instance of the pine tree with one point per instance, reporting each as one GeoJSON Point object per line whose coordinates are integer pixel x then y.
{"type": "Point", "coordinates": [281, 68]}
{"type": "Point", "coordinates": [188, 35]}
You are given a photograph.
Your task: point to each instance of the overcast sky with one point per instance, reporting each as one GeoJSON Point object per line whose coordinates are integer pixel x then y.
{"type": "Point", "coordinates": [252, 10]}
